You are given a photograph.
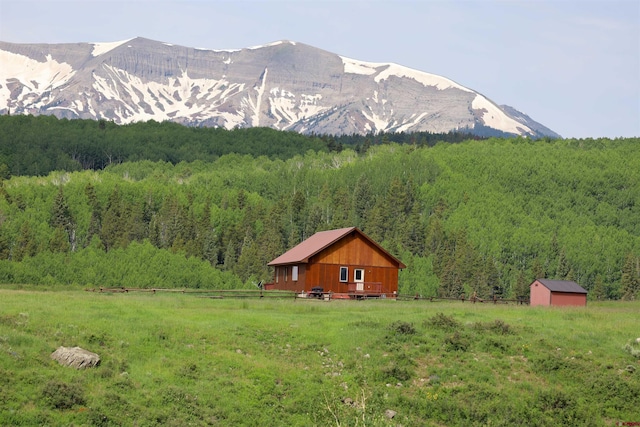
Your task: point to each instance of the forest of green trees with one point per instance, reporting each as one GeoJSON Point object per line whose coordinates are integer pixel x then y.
{"type": "Point", "coordinates": [160, 205]}
{"type": "Point", "coordinates": [39, 145]}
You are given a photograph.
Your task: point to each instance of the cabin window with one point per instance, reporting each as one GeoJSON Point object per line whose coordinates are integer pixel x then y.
{"type": "Point", "coordinates": [358, 275]}
{"type": "Point", "coordinates": [277, 274]}
{"type": "Point", "coordinates": [286, 273]}
{"type": "Point", "coordinates": [294, 273]}
{"type": "Point", "coordinates": [344, 274]}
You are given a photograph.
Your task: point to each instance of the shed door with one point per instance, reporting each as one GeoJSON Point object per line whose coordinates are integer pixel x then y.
{"type": "Point", "coordinates": [358, 277]}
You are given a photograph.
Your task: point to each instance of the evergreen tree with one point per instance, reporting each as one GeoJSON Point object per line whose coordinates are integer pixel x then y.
{"type": "Point", "coordinates": [61, 218]}
{"type": "Point", "coordinates": [563, 267]}
{"type": "Point", "coordinates": [313, 224]}
{"type": "Point", "coordinates": [59, 241]}
{"type": "Point", "coordinates": [248, 260]}
{"type": "Point", "coordinates": [434, 235]}
{"type": "Point", "coordinates": [413, 235]}
{"type": "Point", "coordinates": [485, 277]}
{"type": "Point", "coordinates": [5, 245]}
{"type": "Point", "coordinates": [376, 226]}
{"type": "Point", "coordinates": [206, 236]}
{"type": "Point", "coordinates": [397, 201]}
{"type": "Point", "coordinates": [341, 202]}
{"type": "Point", "coordinates": [5, 172]}
{"type": "Point", "coordinates": [230, 257]}
{"type": "Point", "coordinates": [112, 231]}
{"type": "Point", "coordinates": [598, 292]}
{"type": "Point", "coordinates": [297, 216]}
{"type": "Point", "coordinates": [538, 269]}
{"type": "Point", "coordinates": [96, 212]}
{"type": "Point", "coordinates": [26, 245]}
{"type": "Point", "coordinates": [362, 200]}
{"type": "Point", "coordinates": [522, 289]}
{"type": "Point", "coordinates": [630, 280]}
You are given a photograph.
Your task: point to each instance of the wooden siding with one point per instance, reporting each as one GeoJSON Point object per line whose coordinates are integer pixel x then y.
{"type": "Point", "coordinates": [353, 250]}
{"type": "Point", "coordinates": [540, 294]}
{"type": "Point", "coordinates": [285, 282]}
{"type": "Point", "coordinates": [328, 277]}
{"type": "Point", "coordinates": [564, 299]}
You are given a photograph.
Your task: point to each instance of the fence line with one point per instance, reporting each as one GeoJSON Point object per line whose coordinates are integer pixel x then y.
{"type": "Point", "coordinates": [205, 293]}
{"type": "Point", "coordinates": [260, 293]}
{"type": "Point", "coordinates": [472, 300]}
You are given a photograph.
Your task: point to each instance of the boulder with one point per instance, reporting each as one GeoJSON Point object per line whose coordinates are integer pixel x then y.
{"type": "Point", "coordinates": [77, 357]}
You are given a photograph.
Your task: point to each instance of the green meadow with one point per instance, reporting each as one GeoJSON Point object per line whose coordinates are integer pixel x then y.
{"type": "Point", "coordinates": [176, 359]}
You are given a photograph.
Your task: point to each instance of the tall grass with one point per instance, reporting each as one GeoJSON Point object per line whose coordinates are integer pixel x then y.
{"type": "Point", "coordinates": [172, 359]}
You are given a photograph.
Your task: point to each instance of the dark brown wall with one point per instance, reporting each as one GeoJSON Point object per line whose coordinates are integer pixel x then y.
{"type": "Point", "coordinates": [353, 250]}
{"type": "Point", "coordinates": [328, 276]}
{"type": "Point", "coordinates": [289, 284]}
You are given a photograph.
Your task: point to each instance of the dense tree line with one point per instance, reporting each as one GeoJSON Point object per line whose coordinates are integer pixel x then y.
{"type": "Point", "coordinates": [361, 143]}
{"type": "Point", "coordinates": [38, 145]}
{"type": "Point", "coordinates": [478, 216]}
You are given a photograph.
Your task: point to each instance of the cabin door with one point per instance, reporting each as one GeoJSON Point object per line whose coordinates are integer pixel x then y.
{"type": "Point", "coordinates": [358, 277]}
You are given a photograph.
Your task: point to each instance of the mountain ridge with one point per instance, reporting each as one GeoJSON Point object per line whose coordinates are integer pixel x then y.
{"type": "Point", "coordinates": [285, 85]}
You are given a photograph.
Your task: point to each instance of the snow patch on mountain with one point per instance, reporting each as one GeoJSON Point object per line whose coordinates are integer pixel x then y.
{"type": "Point", "coordinates": [379, 122]}
{"type": "Point", "coordinates": [354, 66]}
{"type": "Point", "coordinates": [494, 117]}
{"type": "Point", "coordinates": [36, 78]}
{"type": "Point", "coordinates": [288, 109]}
{"type": "Point", "coordinates": [258, 102]}
{"type": "Point", "coordinates": [426, 79]}
{"type": "Point", "coordinates": [276, 43]}
{"type": "Point", "coordinates": [409, 124]}
{"type": "Point", "coordinates": [359, 67]}
{"type": "Point", "coordinates": [180, 96]}
{"type": "Point", "coordinates": [101, 48]}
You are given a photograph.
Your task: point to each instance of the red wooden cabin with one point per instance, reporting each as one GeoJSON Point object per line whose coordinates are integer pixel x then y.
{"type": "Point", "coordinates": [344, 261]}
{"type": "Point", "coordinates": [557, 292]}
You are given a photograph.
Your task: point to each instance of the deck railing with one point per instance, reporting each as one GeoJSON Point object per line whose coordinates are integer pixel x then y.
{"type": "Point", "coordinates": [364, 288]}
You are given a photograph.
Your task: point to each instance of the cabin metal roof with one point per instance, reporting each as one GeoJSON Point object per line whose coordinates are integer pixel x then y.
{"type": "Point", "coordinates": [301, 253]}
{"type": "Point", "coordinates": [562, 286]}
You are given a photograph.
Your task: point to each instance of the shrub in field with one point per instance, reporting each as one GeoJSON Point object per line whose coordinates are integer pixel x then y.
{"type": "Point", "coordinates": [495, 345]}
{"type": "Point", "coordinates": [442, 321]}
{"type": "Point", "coordinates": [557, 406]}
{"type": "Point", "coordinates": [396, 372]}
{"type": "Point", "coordinates": [98, 417]}
{"type": "Point", "coordinates": [189, 371]}
{"type": "Point", "coordinates": [497, 326]}
{"type": "Point", "coordinates": [553, 400]}
{"type": "Point", "coordinates": [403, 328]}
{"type": "Point", "coordinates": [457, 342]}
{"type": "Point", "coordinates": [59, 395]}
{"type": "Point", "coordinates": [549, 363]}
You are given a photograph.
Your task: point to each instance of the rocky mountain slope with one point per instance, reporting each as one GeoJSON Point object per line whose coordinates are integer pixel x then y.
{"type": "Point", "coordinates": [283, 85]}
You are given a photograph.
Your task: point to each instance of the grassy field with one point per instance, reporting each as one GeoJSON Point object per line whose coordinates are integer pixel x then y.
{"type": "Point", "coordinates": [173, 359]}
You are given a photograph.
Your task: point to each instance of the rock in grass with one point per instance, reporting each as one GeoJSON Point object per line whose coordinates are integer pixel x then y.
{"type": "Point", "coordinates": [389, 413]}
{"type": "Point", "coordinates": [77, 357]}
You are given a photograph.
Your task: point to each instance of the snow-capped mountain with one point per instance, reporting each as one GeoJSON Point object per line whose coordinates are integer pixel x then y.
{"type": "Point", "coordinates": [283, 85]}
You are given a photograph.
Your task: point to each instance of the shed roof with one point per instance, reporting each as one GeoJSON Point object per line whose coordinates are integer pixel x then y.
{"type": "Point", "coordinates": [562, 286]}
{"type": "Point", "coordinates": [322, 240]}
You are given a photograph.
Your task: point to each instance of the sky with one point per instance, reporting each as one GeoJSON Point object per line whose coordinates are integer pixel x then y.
{"type": "Point", "coordinates": [571, 65]}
